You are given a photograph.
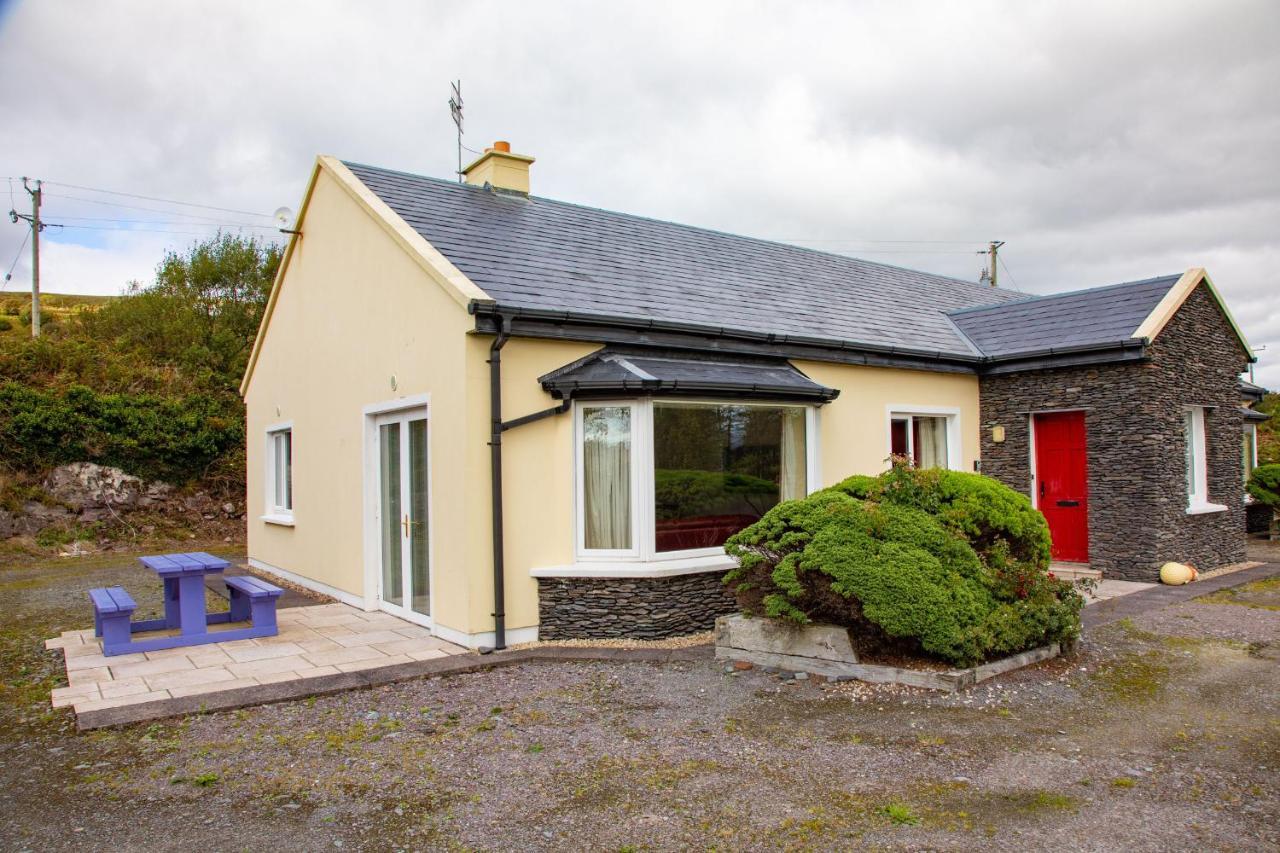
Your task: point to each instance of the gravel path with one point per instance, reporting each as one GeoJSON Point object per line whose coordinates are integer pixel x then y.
{"type": "Point", "coordinates": [1162, 732]}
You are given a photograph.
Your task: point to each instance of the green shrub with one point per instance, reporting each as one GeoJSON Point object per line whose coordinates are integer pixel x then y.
{"type": "Point", "coordinates": [168, 438]}
{"type": "Point", "coordinates": [938, 562]}
{"type": "Point", "coordinates": [1264, 485]}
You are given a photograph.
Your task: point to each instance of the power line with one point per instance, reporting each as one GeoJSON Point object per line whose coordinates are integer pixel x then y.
{"type": "Point", "coordinates": [163, 200]}
{"type": "Point", "coordinates": [207, 224]}
{"type": "Point", "coordinates": [161, 230]}
{"type": "Point", "coordinates": [134, 206]}
{"type": "Point", "coordinates": [1010, 274]}
{"type": "Point", "coordinates": [13, 266]}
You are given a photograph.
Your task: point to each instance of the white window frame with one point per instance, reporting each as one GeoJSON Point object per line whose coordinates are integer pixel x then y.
{"type": "Point", "coordinates": [579, 467]}
{"type": "Point", "coordinates": [1251, 461]}
{"type": "Point", "coordinates": [897, 411]}
{"type": "Point", "coordinates": [644, 554]}
{"type": "Point", "coordinates": [275, 513]}
{"type": "Point", "coordinates": [1198, 491]}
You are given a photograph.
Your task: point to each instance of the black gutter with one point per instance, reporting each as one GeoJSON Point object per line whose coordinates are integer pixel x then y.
{"type": "Point", "coordinates": [497, 426]}
{"type": "Point", "coordinates": [753, 391]}
{"type": "Point", "coordinates": [635, 325]}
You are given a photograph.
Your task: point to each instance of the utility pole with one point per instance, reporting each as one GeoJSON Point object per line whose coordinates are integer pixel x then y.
{"type": "Point", "coordinates": [993, 248]}
{"type": "Point", "coordinates": [36, 227]}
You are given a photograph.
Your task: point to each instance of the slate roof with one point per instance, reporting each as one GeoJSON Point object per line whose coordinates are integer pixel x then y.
{"type": "Point", "coordinates": [1061, 321]}
{"type": "Point", "coordinates": [535, 253]}
{"type": "Point", "coordinates": [615, 370]}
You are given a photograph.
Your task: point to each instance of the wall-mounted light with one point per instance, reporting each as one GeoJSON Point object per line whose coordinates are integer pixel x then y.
{"type": "Point", "coordinates": [997, 434]}
{"type": "Point", "coordinates": [393, 382]}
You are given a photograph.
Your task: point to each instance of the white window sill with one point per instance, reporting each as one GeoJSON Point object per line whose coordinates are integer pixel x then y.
{"type": "Point", "coordinates": [281, 520]}
{"type": "Point", "coordinates": [638, 569]}
{"type": "Point", "coordinates": [1205, 509]}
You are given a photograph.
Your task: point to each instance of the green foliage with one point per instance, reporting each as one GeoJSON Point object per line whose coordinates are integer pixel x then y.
{"type": "Point", "coordinates": [899, 813]}
{"type": "Point", "coordinates": [1264, 485]}
{"type": "Point", "coordinates": [686, 494]}
{"type": "Point", "coordinates": [945, 564]}
{"type": "Point", "coordinates": [149, 381]}
{"type": "Point", "coordinates": [1269, 431]}
{"type": "Point", "coordinates": [5, 325]}
{"type": "Point", "coordinates": [155, 437]}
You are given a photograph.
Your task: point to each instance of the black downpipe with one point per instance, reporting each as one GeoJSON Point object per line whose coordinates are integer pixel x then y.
{"type": "Point", "coordinates": [495, 466]}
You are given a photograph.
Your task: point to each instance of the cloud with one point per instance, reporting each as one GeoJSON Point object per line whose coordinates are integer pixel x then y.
{"type": "Point", "coordinates": [1103, 141]}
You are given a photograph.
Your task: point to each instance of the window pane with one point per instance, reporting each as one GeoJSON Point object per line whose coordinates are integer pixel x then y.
{"type": "Point", "coordinates": [898, 437]}
{"type": "Point", "coordinates": [1189, 430]}
{"type": "Point", "coordinates": [288, 469]}
{"type": "Point", "coordinates": [389, 496]}
{"type": "Point", "coordinates": [1250, 437]}
{"type": "Point", "coordinates": [930, 436]}
{"type": "Point", "coordinates": [606, 477]}
{"type": "Point", "coordinates": [718, 468]}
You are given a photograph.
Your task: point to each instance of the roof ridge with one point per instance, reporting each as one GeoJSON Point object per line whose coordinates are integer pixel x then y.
{"type": "Point", "coordinates": [700, 228]}
{"type": "Point", "coordinates": [1172, 279]}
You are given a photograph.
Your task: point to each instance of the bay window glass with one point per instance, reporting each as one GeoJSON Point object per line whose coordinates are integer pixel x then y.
{"type": "Point", "coordinates": [606, 478]}
{"type": "Point", "coordinates": [717, 468]}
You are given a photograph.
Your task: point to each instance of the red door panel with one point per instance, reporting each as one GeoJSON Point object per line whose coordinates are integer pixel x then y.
{"type": "Point", "coordinates": [1062, 483]}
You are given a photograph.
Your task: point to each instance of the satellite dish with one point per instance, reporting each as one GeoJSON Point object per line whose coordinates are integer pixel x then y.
{"type": "Point", "coordinates": [283, 217]}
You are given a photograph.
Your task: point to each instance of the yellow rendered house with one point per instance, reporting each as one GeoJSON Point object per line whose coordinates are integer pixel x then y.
{"type": "Point", "coordinates": [506, 417]}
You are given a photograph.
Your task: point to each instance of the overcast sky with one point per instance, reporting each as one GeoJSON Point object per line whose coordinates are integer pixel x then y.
{"type": "Point", "coordinates": [1103, 142]}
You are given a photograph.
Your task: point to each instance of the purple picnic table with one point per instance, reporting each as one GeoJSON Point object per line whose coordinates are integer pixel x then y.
{"type": "Point", "coordinates": [183, 576]}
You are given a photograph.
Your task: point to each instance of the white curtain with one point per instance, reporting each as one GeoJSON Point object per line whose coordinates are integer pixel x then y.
{"type": "Point", "coordinates": [794, 458]}
{"type": "Point", "coordinates": [931, 442]}
{"type": "Point", "coordinates": [606, 475]}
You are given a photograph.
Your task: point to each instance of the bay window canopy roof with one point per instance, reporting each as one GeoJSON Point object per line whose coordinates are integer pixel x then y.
{"type": "Point", "coordinates": [618, 372]}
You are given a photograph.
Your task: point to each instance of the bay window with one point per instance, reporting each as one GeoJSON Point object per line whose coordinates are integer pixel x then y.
{"type": "Point", "coordinates": [663, 479]}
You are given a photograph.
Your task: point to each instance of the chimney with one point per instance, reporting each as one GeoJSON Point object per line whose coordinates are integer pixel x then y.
{"type": "Point", "coordinates": [500, 169]}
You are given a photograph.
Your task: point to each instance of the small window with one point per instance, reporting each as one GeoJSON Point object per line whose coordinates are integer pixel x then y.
{"type": "Point", "coordinates": [280, 472]}
{"type": "Point", "coordinates": [1196, 466]}
{"type": "Point", "coordinates": [1250, 452]}
{"type": "Point", "coordinates": [923, 439]}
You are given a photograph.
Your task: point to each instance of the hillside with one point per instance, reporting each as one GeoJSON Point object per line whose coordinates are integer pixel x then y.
{"type": "Point", "coordinates": [55, 309]}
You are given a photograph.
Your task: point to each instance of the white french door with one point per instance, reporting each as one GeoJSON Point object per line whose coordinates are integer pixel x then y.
{"type": "Point", "coordinates": [404, 579]}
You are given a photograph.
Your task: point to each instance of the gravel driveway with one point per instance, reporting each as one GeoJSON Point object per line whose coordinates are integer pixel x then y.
{"type": "Point", "coordinates": [1161, 732]}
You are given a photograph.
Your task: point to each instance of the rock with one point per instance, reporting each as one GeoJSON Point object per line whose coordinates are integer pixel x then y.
{"type": "Point", "coordinates": [742, 665]}
{"type": "Point", "coordinates": [801, 676]}
{"type": "Point", "coordinates": [8, 524]}
{"type": "Point", "coordinates": [229, 508]}
{"type": "Point", "coordinates": [825, 642]}
{"type": "Point", "coordinates": [86, 484]}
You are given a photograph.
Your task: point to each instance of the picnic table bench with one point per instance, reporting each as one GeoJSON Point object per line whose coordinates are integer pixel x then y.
{"type": "Point", "coordinates": [252, 599]}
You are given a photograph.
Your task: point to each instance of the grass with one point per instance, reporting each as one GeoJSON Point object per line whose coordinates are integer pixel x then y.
{"type": "Point", "coordinates": [899, 813]}
{"type": "Point", "coordinates": [1267, 588]}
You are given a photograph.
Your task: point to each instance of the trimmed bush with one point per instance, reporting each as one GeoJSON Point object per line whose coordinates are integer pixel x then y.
{"type": "Point", "coordinates": [938, 562]}
{"type": "Point", "coordinates": [1264, 486]}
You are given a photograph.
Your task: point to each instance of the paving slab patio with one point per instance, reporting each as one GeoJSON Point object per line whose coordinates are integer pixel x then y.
{"type": "Point", "coordinates": [306, 649]}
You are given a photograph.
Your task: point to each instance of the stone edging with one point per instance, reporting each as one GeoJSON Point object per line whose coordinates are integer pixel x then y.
{"type": "Point", "coordinates": [948, 680]}
{"type": "Point", "coordinates": [324, 685]}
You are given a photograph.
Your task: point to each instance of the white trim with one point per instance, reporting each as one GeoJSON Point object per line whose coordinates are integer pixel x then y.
{"type": "Point", "coordinates": [955, 460]}
{"type": "Point", "coordinates": [484, 638]}
{"type": "Point", "coordinates": [1198, 490]}
{"type": "Point", "coordinates": [1153, 324]}
{"type": "Point", "coordinates": [1031, 450]}
{"type": "Point", "coordinates": [649, 569]}
{"type": "Point", "coordinates": [413, 401]}
{"type": "Point", "coordinates": [1205, 509]}
{"type": "Point", "coordinates": [373, 415]}
{"type": "Point", "coordinates": [313, 585]}
{"type": "Point", "coordinates": [278, 514]}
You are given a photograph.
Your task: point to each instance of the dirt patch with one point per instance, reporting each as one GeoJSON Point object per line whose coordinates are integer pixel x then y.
{"type": "Point", "coordinates": [1157, 734]}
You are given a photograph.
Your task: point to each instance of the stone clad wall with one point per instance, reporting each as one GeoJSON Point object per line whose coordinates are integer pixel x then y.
{"type": "Point", "coordinates": [1136, 445]}
{"type": "Point", "coordinates": [634, 608]}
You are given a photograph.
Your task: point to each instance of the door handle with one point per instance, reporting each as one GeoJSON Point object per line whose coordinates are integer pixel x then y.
{"type": "Point", "coordinates": [406, 524]}
{"type": "Point", "coordinates": [1068, 503]}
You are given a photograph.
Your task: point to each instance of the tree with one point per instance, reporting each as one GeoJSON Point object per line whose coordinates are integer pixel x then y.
{"type": "Point", "coordinates": [202, 313]}
{"type": "Point", "coordinates": [1269, 431]}
{"type": "Point", "coordinates": [1264, 485]}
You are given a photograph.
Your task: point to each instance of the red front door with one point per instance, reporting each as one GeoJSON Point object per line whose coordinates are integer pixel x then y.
{"type": "Point", "coordinates": [1062, 483]}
